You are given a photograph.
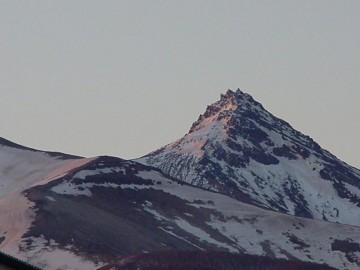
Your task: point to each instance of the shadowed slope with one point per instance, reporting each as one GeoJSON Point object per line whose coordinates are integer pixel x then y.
{"type": "Point", "coordinates": [187, 260]}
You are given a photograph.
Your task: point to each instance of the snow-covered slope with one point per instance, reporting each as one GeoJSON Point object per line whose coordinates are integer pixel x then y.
{"type": "Point", "coordinates": [63, 212]}
{"type": "Point", "coordinates": [20, 168]}
{"type": "Point", "coordinates": [238, 148]}
{"type": "Point", "coordinates": [111, 207]}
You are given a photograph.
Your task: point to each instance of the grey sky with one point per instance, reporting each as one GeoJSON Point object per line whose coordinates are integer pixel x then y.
{"type": "Point", "coordinates": [126, 77]}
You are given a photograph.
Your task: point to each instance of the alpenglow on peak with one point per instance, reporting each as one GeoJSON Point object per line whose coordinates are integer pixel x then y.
{"type": "Point", "coordinates": [231, 102]}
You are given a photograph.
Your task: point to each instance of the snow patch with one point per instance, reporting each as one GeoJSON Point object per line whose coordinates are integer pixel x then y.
{"type": "Point", "coordinates": [152, 175]}
{"type": "Point", "coordinates": [47, 255]}
{"type": "Point", "coordinates": [50, 198]}
{"type": "Point", "coordinates": [69, 188]}
{"type": "Point", "coordinates": [186, 226]}
{"type": "Point", "coordinates": [85, 173]}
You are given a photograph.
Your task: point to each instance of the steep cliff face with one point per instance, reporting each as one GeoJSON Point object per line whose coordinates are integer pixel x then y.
{"type": "Point", "coordinates": [239, 149]}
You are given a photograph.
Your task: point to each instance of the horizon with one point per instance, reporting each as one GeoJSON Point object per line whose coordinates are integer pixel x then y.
{"type": "Point", "coordinates": [95, 78]}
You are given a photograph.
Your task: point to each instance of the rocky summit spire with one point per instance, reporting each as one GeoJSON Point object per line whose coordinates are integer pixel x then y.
{"type": "Point", "coordinates": [240, 98]}
{"type": "Point", "coordinates": [232, 102]}
{"type": "Point", "coordinates": [239, 149]}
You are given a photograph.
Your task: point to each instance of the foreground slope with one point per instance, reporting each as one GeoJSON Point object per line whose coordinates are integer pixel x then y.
{"type": "Point", "coordinates": [108, 208]}
{"type": "Point", "coordinates": [238, 148]}
{"type": "Point", "coordinates": [200, 260]}
{"type": "Point", "coordinates": [21, 167]}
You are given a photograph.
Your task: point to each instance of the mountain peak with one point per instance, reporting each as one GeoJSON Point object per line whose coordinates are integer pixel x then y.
{"type": "Point", "coordinates": [240, 98]}
{"type": "Point", "coordinates": [240, 149]}
{"type": "Point", "coordinates": [237, 94]}
{"type": "Point", "coordinates": [231, 102]}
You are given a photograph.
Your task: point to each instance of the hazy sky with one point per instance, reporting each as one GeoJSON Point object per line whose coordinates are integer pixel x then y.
{"type": "Point", "coordinates": [125, 77]}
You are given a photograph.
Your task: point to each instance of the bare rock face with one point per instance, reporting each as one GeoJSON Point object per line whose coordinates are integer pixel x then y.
{"type": "Point", "coordinates": [239, 149]}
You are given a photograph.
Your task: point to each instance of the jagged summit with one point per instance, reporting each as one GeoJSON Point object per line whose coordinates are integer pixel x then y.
{"type": "Point", "coordinates": [239, 114]}
{"type": "Point", "coordinates": [229, 103]}
{"type": "Point", "coordinates": [240, 98]}
{"type": "Point", "coordinates": [240, 149]}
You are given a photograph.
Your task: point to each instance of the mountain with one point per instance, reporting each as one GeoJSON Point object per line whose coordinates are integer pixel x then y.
{"type": "Point", "coordinates": [63, 212]}
{"type": "Point", "coordinates": [240, 149]}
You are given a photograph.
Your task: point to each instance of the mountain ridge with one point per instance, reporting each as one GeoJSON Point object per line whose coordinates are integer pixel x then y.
{"type": "Point", "coordinates": [241, 181]}
{"type": "Point", "coordinates": [85, 213]}
{"type": "Point", "coordinates": [127, 195]}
